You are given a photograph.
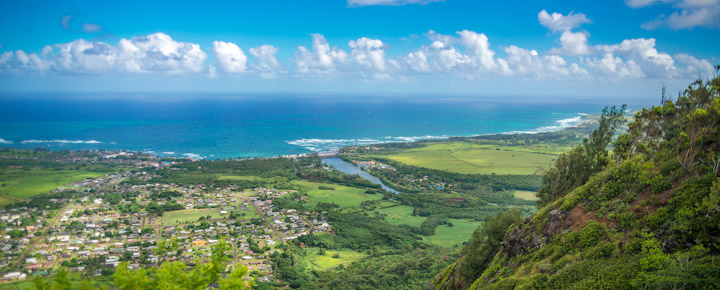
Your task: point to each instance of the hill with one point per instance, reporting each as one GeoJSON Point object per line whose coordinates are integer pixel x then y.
{"type": "Point", "coordinates": [645, 215]}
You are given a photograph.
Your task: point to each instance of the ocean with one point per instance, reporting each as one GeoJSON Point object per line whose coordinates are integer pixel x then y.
{"type": "Point", "coordinates": [228, 126]}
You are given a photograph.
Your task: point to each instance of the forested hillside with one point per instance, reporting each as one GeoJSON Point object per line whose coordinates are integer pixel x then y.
{"type": "Point", "coordinates": [644, 215]}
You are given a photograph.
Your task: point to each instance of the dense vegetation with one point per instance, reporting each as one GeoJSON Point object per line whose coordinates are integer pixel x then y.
{"type": "Point", "coordinates": [646, 215]}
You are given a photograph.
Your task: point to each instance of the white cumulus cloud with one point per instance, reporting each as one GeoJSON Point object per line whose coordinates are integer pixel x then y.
{"type": "Point", "coordinates": [557, 22]}
{"type": "Point", "coordinates": [574, 43]}
{"type": "Point", "coordinates": [230, 57]}
{"type": "Point", "coordinates": [368, 53]}
{"type": "Point", "coordinates": [156, 52]}
{"type": "Point", "coordinates": [321, 59]}
{"type": "Point", "coordinates": [687, 14]}
{"type": "Point", "coordinates": [265, 62]}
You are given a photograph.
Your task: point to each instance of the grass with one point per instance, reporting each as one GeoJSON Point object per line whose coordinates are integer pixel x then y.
{"type": "Point", "coordinates": [474, 158]}
{"type": "Point", "coordinates": [448, 237]}
{"type": "Point", "coordinates": [22, 184]}
{"type": "Point", "coordinates": [327, 262]}
{"type": "Point", "coordinates": [344, 196]}
{"type": "Point", "coordinates": [242, 177]}
{"type": "Point", "coordinates": [6, 199]}
{"type": "Point", "coordinates": [401, 215]}
{"type": "Point", "coordinates": [176, 217]}
{"type": "Point", "coordinates": [249, 213]}
{"type": "Point", "coordinates": [526, 195]}
{"type": "Point", "coordinates": [73, 276]}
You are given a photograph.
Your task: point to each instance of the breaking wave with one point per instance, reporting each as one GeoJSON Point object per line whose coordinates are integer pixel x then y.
{"type": "Point", "coordinates": [326, 145]}
{"type": "Point", "coordinates": [329, 145]}
{"type": "Point", "coordinates": [32, 141]}
{"type": "Point", "coordinates": [559, 125]}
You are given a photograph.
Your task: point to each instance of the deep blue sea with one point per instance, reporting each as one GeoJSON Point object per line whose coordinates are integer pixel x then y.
{"type": "Point", "coordinates": [226, 126]}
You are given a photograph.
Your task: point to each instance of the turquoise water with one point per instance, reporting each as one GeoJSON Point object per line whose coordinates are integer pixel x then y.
{"type": "Point", "coordinates": [225, 126]}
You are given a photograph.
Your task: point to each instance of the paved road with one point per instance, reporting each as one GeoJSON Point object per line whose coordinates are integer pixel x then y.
{"type": "Point", "coordinates": [44, 231]}
{"type": "Point", "coordinates": [271, 225]}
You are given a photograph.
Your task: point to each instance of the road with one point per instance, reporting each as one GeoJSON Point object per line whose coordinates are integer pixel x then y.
{"type": "Point", "coordinates": [39, 237]}
{"type": "Point", "coordinates": [262, 216]}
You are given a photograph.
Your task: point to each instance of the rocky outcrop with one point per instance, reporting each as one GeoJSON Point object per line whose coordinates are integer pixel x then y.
{"type": "Point", "coordinates": [554, 223]}
{"type": "Point", "coordinates": [522, 239]}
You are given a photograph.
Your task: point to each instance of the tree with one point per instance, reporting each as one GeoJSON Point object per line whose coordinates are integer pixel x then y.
{"type": "Point", "coordinates": [62, 281]}
{"type": "Point", "coordinates": [125, 279]}
{"type": "Point", "coordinates": [172, 275]}
{"type": "Point", "coordinates": [574, 168]}
{"type": "Point", "coordinates": [235, 279]}
{"type": "Point", "coordinates": [41, 283]}
{"type": "Point", "coordinates": [485, 242]}
{"type": "Point", "coordinates": [86, 284]}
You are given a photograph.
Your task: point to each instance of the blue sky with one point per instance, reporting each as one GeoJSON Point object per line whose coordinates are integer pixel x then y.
{"type": "Point", "coordinates": [568, 48]}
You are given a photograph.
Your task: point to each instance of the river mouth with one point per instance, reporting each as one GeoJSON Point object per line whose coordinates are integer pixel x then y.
{"type": "Point", "coordinates": [349, 168]}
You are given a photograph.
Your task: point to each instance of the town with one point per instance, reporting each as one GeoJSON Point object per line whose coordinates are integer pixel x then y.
{"type": "Point", "coordinates": [92, 225]}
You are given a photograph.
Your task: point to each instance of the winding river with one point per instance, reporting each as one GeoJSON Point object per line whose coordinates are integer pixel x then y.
{"type": "Point", "coordinates": [353, 169]}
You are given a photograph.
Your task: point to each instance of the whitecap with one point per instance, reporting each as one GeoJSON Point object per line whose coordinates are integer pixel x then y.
{"type": "Point", "coordinates": [329, 145]}
{"type": "Point", "coordinates": [559, 125]}
{"type": "Point", "coordinates": [3, 141]}
{"type": "Point", "coordinates": [32, 141]}
{"type": "Point", "coordinates": [192, 155]}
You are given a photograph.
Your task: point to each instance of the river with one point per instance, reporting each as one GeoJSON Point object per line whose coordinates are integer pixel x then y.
{"type": "Point", "coordinates": [353, 169]}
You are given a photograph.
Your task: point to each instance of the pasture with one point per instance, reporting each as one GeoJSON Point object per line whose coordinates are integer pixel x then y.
{"type": "Point", "coordinates": [400, 215]}
{"type": "Point", "coordinates": [474, 158]}
{"type": "Point", "coordinates": [23, 184]}
{"type": "Point", "coordinates": [171, 218]}
{"type": "Point", "coordinates": [526, 195]}
{"type": "Point", "coordinates": [449, 237]}
{"type": "Point", "coordinates": [326, 262]}
{"type": "Point", "coordinates": [344, 196]}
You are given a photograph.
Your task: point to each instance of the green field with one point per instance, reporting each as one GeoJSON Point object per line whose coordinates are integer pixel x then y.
{"type": "Point", "coordinates": [6, 199]}
{"type": "Point", "coordinates": [344, 196]}
{"type": "Point", "coordinates": [327, 262]}
{"type": "Point", "coordinates": [526, 195]}
{"type": "Point", "coordinates": [459, 233]}
{"type": "Point", "coordinates": [175, 217]}
{"type": "Point", "coordinates": [401, 215]}
{"type": "Point", "coordinates": [474, 158]}
{"type": "Point", "coordinates": [250, 213]}
{"type": "Point", "coordinates": [241, 177]}
{"type": "Point", "coordinates": [100, 282]}
{"type": "Point", "coordinates": [26, 183]}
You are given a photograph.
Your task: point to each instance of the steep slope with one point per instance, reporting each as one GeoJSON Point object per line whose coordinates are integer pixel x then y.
{"type": "Point", "coordinates": [649, 217]}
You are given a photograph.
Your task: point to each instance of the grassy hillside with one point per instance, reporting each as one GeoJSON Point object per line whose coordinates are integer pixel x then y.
{"type": "Point", "coordinates": [646, 215]}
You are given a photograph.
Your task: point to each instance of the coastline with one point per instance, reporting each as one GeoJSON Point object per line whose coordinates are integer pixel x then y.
{"type": "Point", "coordinates": [314, 145]}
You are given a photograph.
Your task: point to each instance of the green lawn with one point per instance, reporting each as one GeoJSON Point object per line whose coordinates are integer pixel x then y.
{"type": "Point", "coordinates": [526, 195]}
{"type": "Point", "coordinates": [460, 232]}
{"type": "Point", "coordinates": [327, 262]}
{"type": "Point", "coordinates": [401, 215]}
{"type": "Point", "coordinates": [474, 158]}
{"type": "Point", "coordinates": [342, 195]}
{"type": "Point", "coordinates": [250, 213]}
{"type": "Point", "coordinates": [175, 217]}
{"type": "Point", "coordinates": [26, 183]}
